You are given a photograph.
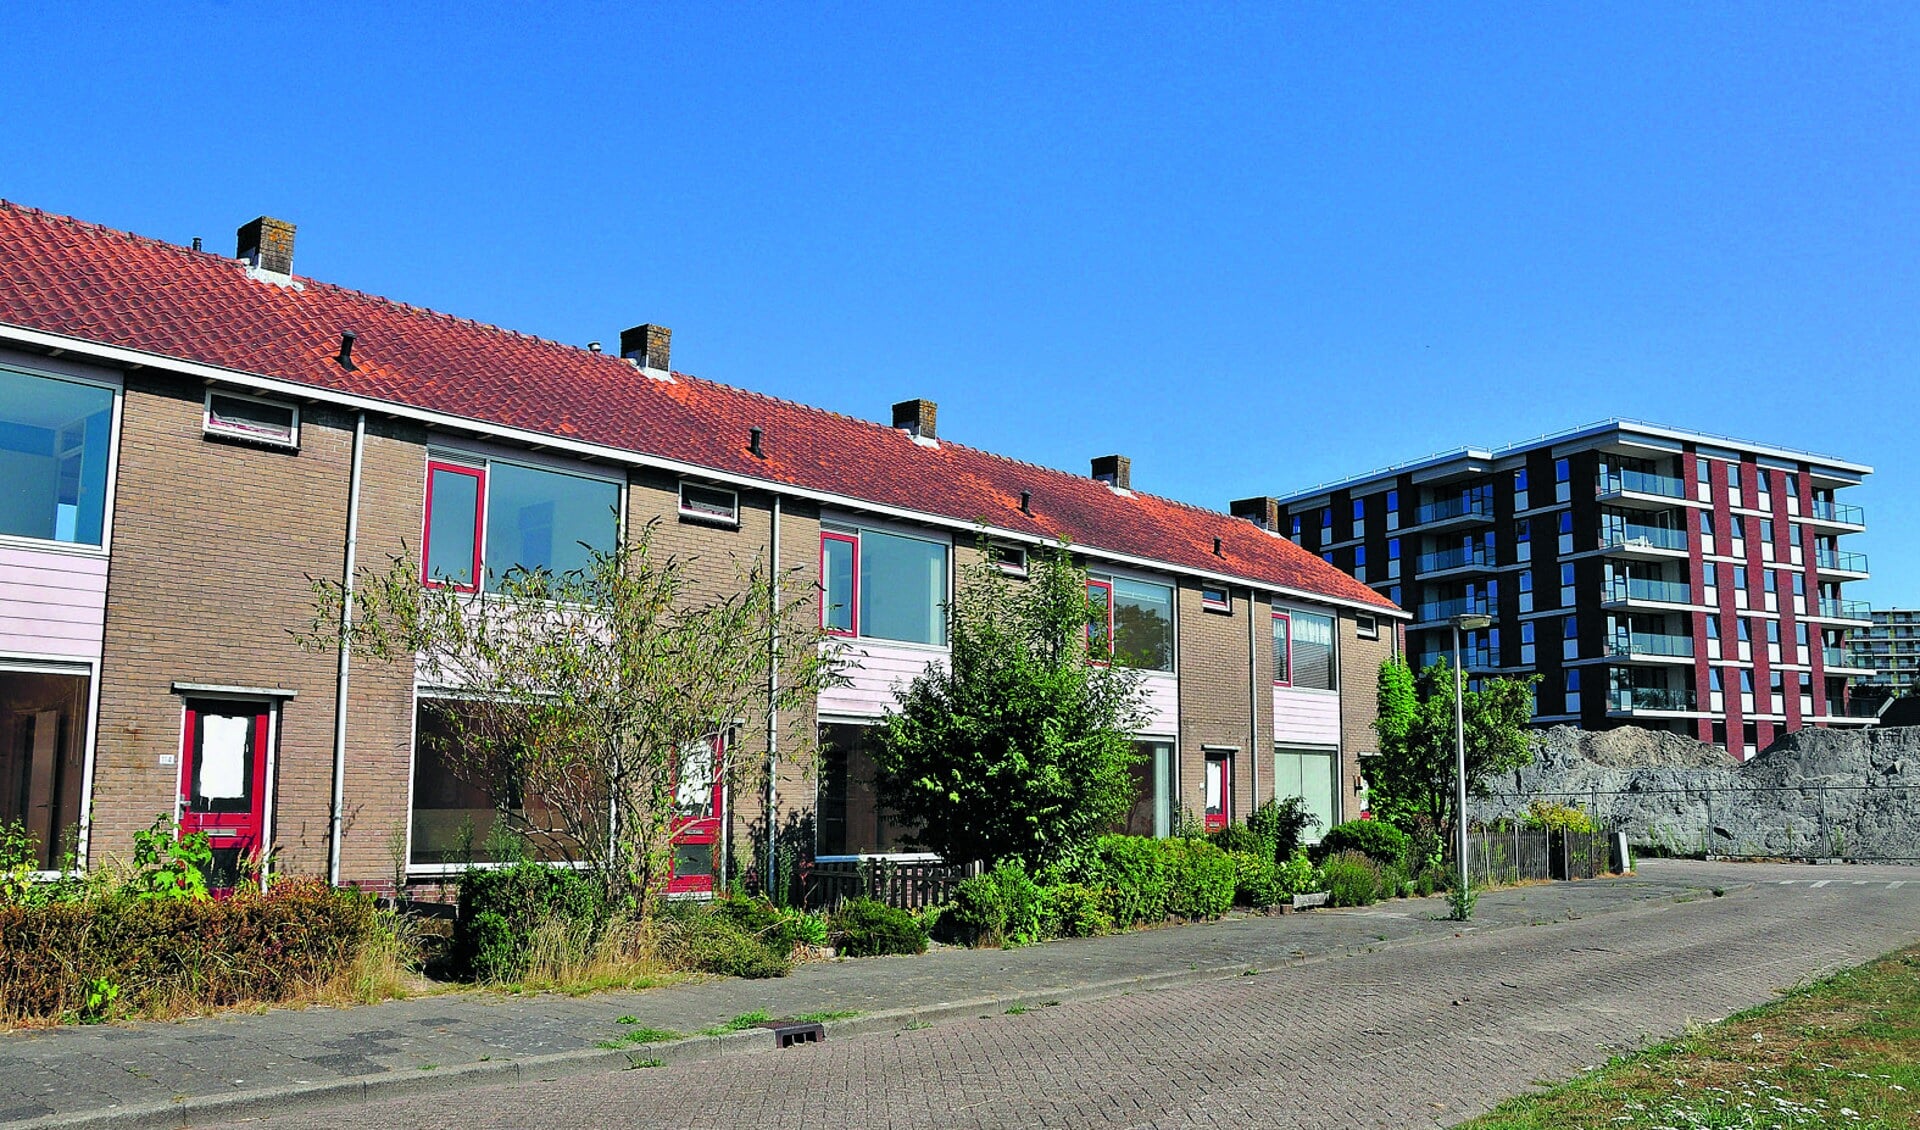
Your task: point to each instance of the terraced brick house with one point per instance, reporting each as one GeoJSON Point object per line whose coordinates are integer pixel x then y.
{"type": "Point", "coordinates": [187, 437]}
{"type": "Point", "coordinates": [1650, 576]}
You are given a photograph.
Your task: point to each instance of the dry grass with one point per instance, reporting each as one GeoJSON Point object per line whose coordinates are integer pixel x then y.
{"type": "Point", "coordinates": [1844, 1051]}
{"type": "Point", "coordinates": [566, 958]}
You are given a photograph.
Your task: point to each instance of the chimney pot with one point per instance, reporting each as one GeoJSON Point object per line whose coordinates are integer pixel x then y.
{"type": "Point", "coordinates": [1114, 470]}
{"type": "Point", "coordinates": [1026, 502]}
{"type": "Point", "coordinates": [917, 417]}
{"type": "Point", "coordinates": [196, 244]}
{"type": "Point", "coordinates": [345, 357]}
{"type": "Point", "coordinates": [650, 345]}
{"type": "Point", "coordinates": [593, 347]}
{"type": "Point", "coordinates": [1216, 548]}
{"type": "Point", "coordinates": [753, 442]}
{"type": "Point", "coordinates": [1262, 512]}
{"type": "Point", "coordinates": [267, 243]}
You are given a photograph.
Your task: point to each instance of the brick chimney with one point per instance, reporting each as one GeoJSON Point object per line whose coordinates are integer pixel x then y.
{"type": "Point", "coordinates": [1114, 470]}
{"type": "Point", "coordinates": [1262, 512]}
{"type": "Point", "coordinates": [267, 244]}
{"type": "Point", "coordinates": [916, 417]}
{"type": "Point", "coordinates": [650, 345]}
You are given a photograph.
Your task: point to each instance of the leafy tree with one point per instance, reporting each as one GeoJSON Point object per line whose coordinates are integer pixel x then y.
{"type": "Point", "coordinates": [590, 698]}
{"type": "Point", "coordinates": [1019, 747]}
{"type": "Point", "coordinates": [1412, 780]}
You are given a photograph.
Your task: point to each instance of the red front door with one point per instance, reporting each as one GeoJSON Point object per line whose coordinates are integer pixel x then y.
{"type": "Point", "coordinates": [700, 804]}
{"type": "Point", "coordinates": [223, 782]}
{"type": "Point", "coordinates": [1219, 791]}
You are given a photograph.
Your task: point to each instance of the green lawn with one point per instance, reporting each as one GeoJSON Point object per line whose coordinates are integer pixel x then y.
{"type": "Point", "coordinates": [1844, 1051]}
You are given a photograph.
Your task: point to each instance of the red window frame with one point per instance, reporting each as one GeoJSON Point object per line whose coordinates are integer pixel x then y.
{"type": "Point", "coordinates": [1283, 657]}
{"type": "Point", "coordinates": [479, 476]}
{"type": "Point", "coordinates": [853, 590]}
{"type": "Point", "coordinates": [1106, 587]}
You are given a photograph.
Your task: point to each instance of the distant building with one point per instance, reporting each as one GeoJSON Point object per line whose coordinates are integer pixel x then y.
{"type": "Point", "coordinates": [1649, 575]}
{"type": "Point", "coordinates": [1890, 650]}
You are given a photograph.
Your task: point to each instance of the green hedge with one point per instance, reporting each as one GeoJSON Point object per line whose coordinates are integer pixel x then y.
{"type": "Point", "coordinates": [867, 927]}
{"type": "Point", "coordinates": [122, 955]}
{"type": "Point", "coordinates": [1378, 840]}
{"type": "Point", "coordinates": [501, 908]}
{"type": "Point", "coordinates": [1200, 879]}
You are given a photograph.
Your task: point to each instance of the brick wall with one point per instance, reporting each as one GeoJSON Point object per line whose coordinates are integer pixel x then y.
{"type": "Point", "coordinates": [1360, 661]}
{"type": "Point", "coordinates": [1214, 698]}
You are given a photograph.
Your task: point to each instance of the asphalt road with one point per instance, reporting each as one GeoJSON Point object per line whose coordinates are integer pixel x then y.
{"type": "Point", "coordinates": [1424, 1033]}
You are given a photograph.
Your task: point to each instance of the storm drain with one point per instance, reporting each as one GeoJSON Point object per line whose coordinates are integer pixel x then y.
{"type": "Point", "coordinates": [793, 1035]}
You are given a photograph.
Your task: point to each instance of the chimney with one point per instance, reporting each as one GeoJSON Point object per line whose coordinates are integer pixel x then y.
{"type": "Point", "coordinates": [917, 417]}
{"type": "Point", "coordinates": [1114, 470]}
{"type": "Point", "coordinates": [650, 345]}
{"type": "Point", "coordinates": [1262, 512]}
{"type": "Point", "coordinates": [267, 244]}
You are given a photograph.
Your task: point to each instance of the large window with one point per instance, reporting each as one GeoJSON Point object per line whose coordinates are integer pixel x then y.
{"type": "Point", "coordinates": [462, 818]}
{"type": "Point", "coordinates": [54, 440]}
{"type": "Point", "coordinates": [43, 742]}
{"type": "Point", "coordinates": [850, 819]}
{"type": "Point", "coordinates": [485, 520]}
{"type": "Point", "coordinates": [1303, 650]}
{"type": "Point", "coordinates": [1139, 624]}
{"type": "Point", "coordinates": [1309, 775]}
{"type": "Point", "coordinates": [883, 586]}
{"type": "Point", "coordinates": [1152, 811]}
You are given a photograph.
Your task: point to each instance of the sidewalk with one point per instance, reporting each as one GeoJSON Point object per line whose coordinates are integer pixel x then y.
{"type": "Point", "coordinates": [236, 1065]}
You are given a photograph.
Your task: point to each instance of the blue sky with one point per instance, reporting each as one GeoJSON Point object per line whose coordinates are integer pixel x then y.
{"type": "Point", "coordinates": [1251, 247]}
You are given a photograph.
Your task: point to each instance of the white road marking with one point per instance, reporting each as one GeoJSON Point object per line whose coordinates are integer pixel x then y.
{"type": "Point", "coordinates": [1822, 882]}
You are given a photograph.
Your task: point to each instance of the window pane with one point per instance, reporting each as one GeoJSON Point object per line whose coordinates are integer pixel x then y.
{"type": "Point", "coordinates": [1282, 662]}
{"type": "Point", "coordinates": [1312, 651]}
{"type": "Point", "coordinates": [453, 511]}
{"type": "Point", "coordinates": [903, 588]}
{"type": "Point", "coordinates": [850, 819]}
{"type": "Point", "coordinates": [460, 819]}
{"type": "Point", "coordinates": [539, 520]}
{"type": "Point", "coordinates": [53, 458]}
{"type": "Point", "coordinates": [1142, 625]}
{"type": "Point", "coordinates": [836, 581]}
{"type": "Point", "coordinates": [1152, 811]}
{"type": "Point", "coordinates": [43, 741]}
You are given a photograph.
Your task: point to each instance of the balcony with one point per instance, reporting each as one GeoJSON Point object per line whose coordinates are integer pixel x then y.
{"type": "Point", "coordinates": [1646, 542]}
{"type": "Point", "coordinates": [1634, 700]}
{"type": "Point", "coordinates": [1462, 558]}
{"type": "Point", "coordinates": [1626, 590]}
{"type": "Point", "coordinates": [1846, 611]}
{"type": "Point", "coordinates": [1440, 611]}
{"type": "Point", "coordinates": [1853, 711]}
{"type": "Point", "coordinates": [1625, 486]}
{"type": "Point", "coordinates": [1454, 511]}
{"type": "Point", "coordinates": [1650, 645]}
{"type": "Point", "coordinates": [1840, 561]}
{"type": "Point", "coordinates": [1829, 513]}
{"type": "Point", "coordinates": [1838, 662]}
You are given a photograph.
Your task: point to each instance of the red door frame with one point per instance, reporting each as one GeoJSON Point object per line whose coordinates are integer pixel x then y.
{"type": "Point", "coordinates": [1221, 763]}
{"type": "Point", "coordinates": [235, 832]}
{"type": "Point", "coordinates": [702, 831]}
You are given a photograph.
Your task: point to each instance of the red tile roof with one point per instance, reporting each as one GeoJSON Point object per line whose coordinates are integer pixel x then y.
{"type": "Point", "coordinates": [79, 280]}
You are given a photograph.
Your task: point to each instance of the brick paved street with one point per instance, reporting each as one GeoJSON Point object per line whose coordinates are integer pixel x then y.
{"type": "Point", "coordinates": [1414, 1035]}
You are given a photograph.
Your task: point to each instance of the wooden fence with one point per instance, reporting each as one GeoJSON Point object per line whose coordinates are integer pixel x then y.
{"type": "Point", "coordinates": [910, 886]}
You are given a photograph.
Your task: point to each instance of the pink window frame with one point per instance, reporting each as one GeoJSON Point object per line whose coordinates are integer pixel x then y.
{"type": "Point", "coordinates": [1107, 586]}
{"type": "Point", "coordinates": [853, 590]}
{"type": "Point", "coordinates": [1283, 669]}
{"type": "Point", "coordinates": [479, 476]}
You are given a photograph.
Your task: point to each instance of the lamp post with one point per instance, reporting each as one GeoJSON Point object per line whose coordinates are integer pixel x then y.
{"type": "Point", "coordinates": [1471, 622]}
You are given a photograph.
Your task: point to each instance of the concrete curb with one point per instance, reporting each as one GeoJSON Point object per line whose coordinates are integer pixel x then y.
{"type": "Point", "coordinates": [291, 1098]}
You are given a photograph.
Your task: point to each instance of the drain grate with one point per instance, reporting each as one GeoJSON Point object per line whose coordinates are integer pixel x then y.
{"type": "Point", "coordinates": [793, 1035]}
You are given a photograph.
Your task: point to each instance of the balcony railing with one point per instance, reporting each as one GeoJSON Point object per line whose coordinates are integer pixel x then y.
{"type": "Point", "coordinates": [1839, 512]}
{"type": "Point", "coordinates": [1448, 609]}
{"type": "Point", "coordinates": [1642, 588]}
{"type": "Point", "coordinates": [1641, 482]}
{"type": "Point", "coordinates": [1455, 558]}
{"type": "Point", "coordinates": [1652, 698]}
{"type": "Point", "coordinates": [1644, 537]}
{"type": "Point", "coordinates": [1463, 506]}
{"type": "Point", "coordinates": [1652, 643]}
{"type": "Point", "coordinates": [1840, 560]}
{"type": "Point", "coordinates": [1854, 708]}
{"type": "Point", "coordinates": [1833, 608]}
{"type": "Point", "coordinates": [1838, 657]}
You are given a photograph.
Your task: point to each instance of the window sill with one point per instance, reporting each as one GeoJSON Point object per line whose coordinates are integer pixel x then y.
{"type": "Point", "coordinates": [48, 545]}
{"type": "Point", "coordinates": [710, 519]}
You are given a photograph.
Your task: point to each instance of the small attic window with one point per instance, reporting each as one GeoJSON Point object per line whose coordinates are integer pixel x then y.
{"type": "Point", "coordinates": [1216, 598]}
{"type": "Point", "coordinates": [702, 503]}
{"type": "Point", "coordinates": [1366, 626]}
{"type": "Point", "coordinates": [1011, 559]}
{"type": "Point", "coordinates": [250, 418]}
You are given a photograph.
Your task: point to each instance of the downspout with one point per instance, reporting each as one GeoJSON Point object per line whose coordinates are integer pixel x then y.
{"type": "Point", "coordinates": [1253, 709]}
{"type": "Point", "coordinates": [773, 695]}
{"type": "Point", "coordinates": [339, 799]}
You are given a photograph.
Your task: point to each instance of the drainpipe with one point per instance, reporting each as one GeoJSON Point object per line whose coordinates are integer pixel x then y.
{"type": "Point", "coordinates": [773, 694]}
{"type": "Point", "coordinates": [339, 800]}
{"type": "Point", "coordinates": [1254, 744]}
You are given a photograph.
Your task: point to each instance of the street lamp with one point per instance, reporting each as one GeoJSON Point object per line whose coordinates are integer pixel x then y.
{"type": "Point", "coordinates": [1469, 622]}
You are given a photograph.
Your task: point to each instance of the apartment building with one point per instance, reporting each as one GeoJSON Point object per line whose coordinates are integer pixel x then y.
{"type": "Point", "coordinates": [188, 437]}
{"type": "Point", "coordinates": [1889, 651]}
{"type": "Point", "coordinates": [1650, 576]}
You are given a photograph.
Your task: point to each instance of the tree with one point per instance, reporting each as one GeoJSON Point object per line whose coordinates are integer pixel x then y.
{"type": "Point", "coordinates": [588, 699]}
{"type": "Point", "coordinates": [1019, 746]}
{"type": "Point", "coordinates": [1412, 779]}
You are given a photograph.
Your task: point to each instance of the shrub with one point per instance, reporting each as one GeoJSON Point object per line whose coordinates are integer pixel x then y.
{"type": "Point", "coordinates": [1394, 883]}
{"type": "Point", "coordinates": [1376, 839]}
{"type": "Point", "coordinates": [1433, 877]}
{"type": "Point", "coordinates": [1200, 879]}
{"type": "Point", "coordinates": [978, 917]}
{"type": "Point", "coordinates": [1352, 878]}
{"type": "Point", "coordinates": [867, 927]}
{"type": "Point", "coordinates": [1241, 838]}
{"type": "Point", "coordinates": [1297, 876]}
{"type": "Point", "coordinates": [1255, 880]}
{"type": "Point", "coordinates": [703, 940]}
{"type": "Point", "coordinates": [782, 930]}
{"type": "Point", "coordinates": [1548, 815]}
{"type": "Point", "coordinates": [1281, 824]}
{"type": "Point", "coordinates": [1076, 910]}
{"type": "Point", "coordinates": [1003, 907]}
{"type": "Point", "coordinates": [500, 911]}
{"type": "Point", "coordinates": [1133, 869]}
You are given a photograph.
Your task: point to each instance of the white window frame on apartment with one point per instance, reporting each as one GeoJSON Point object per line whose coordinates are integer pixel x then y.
{"type": "Point", "coordinates": [857, 857]}
{"type": "Point", "coordinates": [480, 460]}
{"type": "Point", "coordinates": [1216, 597]}
{"type": "Point", "coordinates": [40, 368]}
{"type": "Point", "coordinates": [713, 516]}
{"type": "Point", "coordinates": [90, 670]}
{"type": "Point", "coordinates": [212, 426]}
{"type": "Point", "coordinates": [1102, 576]}
{"type": "Point", "coordinates": [1009, 558]}
{"type": "Point", "coordinates": [1284, 674]}
{"type": "Point", "coordinates": [851, 527]}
